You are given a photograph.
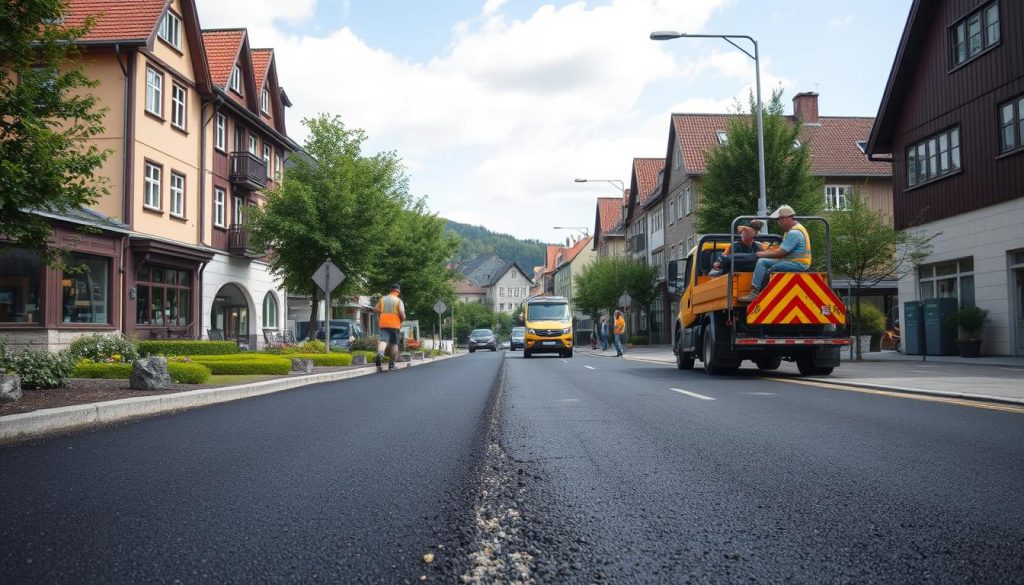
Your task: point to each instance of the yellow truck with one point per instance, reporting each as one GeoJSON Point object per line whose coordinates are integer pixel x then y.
{"type": "Point", "coordinates": [548, 326]}
{"type": "Point", "coordinates": [797, 317]}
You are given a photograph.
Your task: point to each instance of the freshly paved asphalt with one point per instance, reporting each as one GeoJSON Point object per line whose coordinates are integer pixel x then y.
{"type": "Point", "coordinates": [769, 482]}
{"type": "Point", "coordinates": [337, 483]}
{"type": "Point", "coordinates": [585, 470]}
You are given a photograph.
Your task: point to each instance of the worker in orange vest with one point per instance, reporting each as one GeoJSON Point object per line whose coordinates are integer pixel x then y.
{"type": "Point", "coordinates": [391, 311]}
{"type": "Point", "coordinates": [619, 331]}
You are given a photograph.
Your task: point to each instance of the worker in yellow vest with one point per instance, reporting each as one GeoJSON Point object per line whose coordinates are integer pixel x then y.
{"type": "Point", "coordinates": [793, 255]}
{"type": "Point", "coordinates": [391, 312]}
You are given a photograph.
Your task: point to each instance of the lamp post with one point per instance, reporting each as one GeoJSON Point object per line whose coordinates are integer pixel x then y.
{"type": "Point", "coordinates": [618, 184]}
{"type": "Point", "coordinates": [667, 35]}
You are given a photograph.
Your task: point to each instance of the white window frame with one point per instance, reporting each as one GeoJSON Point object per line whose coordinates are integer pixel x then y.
{"type": "Point", "coordinates": [987, 19]}
{"type": "Point", "coordinates": [170, 29]}
{"type": "Point", "coordinates": [236, 80]}
{"type": "Point", "coordinates": [265, 101]}
{"type": "Point", "coordinates": [837, 197]}
{"type": "Point", "coordinates": [277, 165]}
{"type": "Point", "coordinates": [722, 136]}
{"type": "Point", "coordinates": [154, 91]}
{"type": "Point", "coordinates": [237, 210]}
{"type": "Point", "coordinates": [962, 275]}
{"type": "Point", "coordinates": [219, 203]}
{"type": "Point", "coordinates": [179, 106]}
{"type": "Point", "coordinates": [672, 210]}
{"type": "Point", "coordinates": [1011, 130]}
{"type": "Point", "coordinates": [266, 157]}
{"type": "Point", "coordinates": [934, 157]}
{"type": "Point", "coordinates": [270, 317]}
{"type": "Point", "coordinates": [688, 197]}
{"type": "Point", "coordinates": [220, 140]}
{"type": "Point", "coordinates": [253, 144]}
{"type": "Point", "coordinates": [152, 188]}
{"type": "Point", "coordinates": [176, 192]}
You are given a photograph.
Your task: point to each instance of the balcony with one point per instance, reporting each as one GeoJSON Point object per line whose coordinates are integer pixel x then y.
{"type": "Point", "coordinates": [248, 171]}
{"type": "Point", "coordinates": [238, 241]}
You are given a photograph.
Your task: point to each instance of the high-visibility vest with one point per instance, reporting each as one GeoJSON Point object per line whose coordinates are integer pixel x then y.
{"type": "Point", "coordinates": [803, 256]}
{"type": "Point", "coordinates": [620, 326]}
{"type": "Point", "coordinates": [390, 308]}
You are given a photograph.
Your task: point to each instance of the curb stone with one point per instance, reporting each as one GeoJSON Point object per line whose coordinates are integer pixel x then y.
{"type": "Point", "coordinates": [66, 418]}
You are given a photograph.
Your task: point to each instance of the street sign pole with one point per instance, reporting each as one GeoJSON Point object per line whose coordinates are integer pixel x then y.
{"type": "Point", "coordinates": [440, 308]}
{"type": "Point", "coordinates": [327, 312]}
{"type": "Point", "coordinates": [328, 276]}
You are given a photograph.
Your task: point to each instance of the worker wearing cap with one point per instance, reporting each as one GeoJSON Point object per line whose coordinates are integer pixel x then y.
{"type": "Point", "coordinates": [793, 255]}
{"type": "Point", "coordinates": [391, 311]}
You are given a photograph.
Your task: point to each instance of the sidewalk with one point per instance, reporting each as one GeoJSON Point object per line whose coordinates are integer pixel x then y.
{"type": "Point", "coordinates": [995, 378]}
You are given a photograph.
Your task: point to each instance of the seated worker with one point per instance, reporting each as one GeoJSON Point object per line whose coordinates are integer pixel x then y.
{"type": "Point", "coordinates": [794, 255]}
{"type": "Point", "coordinates": [746, 245]}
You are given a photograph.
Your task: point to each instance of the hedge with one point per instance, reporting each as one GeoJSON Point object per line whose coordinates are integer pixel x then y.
{"type": "Point", "coordinates": [639, 340]}
{"type": "Point", "coordinates": [180, 373]}
{"type": "Point", "coordinates": [270, 366]}
{"type": "Point", "coordinates": [323, 359]}
{"type": "Point", "coordinates": [105, 371]}
{"type": "Point", "coordinates": [239, 357]}
{"type": "Point", "coordinates": [188, 347]}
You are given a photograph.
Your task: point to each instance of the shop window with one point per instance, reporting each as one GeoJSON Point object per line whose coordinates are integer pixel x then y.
{"type": "Point", "coordinates": [20, 272]}
{"type": "Point", "coordinates": [163, 296]}
{"type": "Point", "coordinates": [953, 279]}
{"type": "Point", "coordinates": [86, 289]}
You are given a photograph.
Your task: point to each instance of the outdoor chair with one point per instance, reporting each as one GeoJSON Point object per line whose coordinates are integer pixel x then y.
{"type": "Point", "coordinates": [215, 334]}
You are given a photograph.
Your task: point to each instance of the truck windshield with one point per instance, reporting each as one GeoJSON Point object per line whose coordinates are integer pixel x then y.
{"type": "Point", "coordinates": [547, 312]}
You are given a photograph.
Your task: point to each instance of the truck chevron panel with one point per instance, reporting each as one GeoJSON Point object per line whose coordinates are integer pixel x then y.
{"type": "Point", "coordinates": [793, 298]}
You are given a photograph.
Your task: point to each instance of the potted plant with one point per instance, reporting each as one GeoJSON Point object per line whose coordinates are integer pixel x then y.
{"type": "Point", "coordinates": [970, 321]}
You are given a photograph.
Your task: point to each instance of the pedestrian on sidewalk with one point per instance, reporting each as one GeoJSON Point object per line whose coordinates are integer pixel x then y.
{"type": "Point", "coordinates": [391, 310]}
{"type": "Point", "coordinates": [602, 331]}
{"type": "Point", "coordinates": [620, 330]}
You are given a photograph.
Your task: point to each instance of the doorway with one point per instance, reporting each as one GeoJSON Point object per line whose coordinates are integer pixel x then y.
{"type": "Point", "coordinates": [230, 315]}
{"type": "Point", "coordinates": [1018, 302]}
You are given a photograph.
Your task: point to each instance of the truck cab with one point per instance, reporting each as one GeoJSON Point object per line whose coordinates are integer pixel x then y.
{"type": "Point", "coordinates": [548, 326]}
{"type": "Point", "coordinates": [797, 317]}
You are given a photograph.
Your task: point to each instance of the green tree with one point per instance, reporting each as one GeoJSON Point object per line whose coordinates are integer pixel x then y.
{"type": "Point", "coordinates": [602, 282]}
{"type": "Point", "coordinates": [418, 255]}
{"type": "Point", "coordinates": [470, 316]}
{"type": "Point", "coordinates": [730, 187]}
{"type": "Point", "coordinates": [340, 205]}
{"type": "Point", "coordinates": [47, 117]}
{"type": "Point", "coordinates": [867, 249]}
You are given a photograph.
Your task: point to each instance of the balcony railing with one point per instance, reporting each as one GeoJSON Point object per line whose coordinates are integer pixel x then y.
{"type": "Point", "coordinates": [248, 171]}
{"type": "Point", "coordinates": [238, 241]}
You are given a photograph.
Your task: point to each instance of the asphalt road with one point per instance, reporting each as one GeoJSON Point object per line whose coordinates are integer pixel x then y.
{"type": "Point", "coordinates": [643, 473]}
{"type": "Point", "coordinates": [347, 482]}
{"type": "Point", "coordinates": [548, 470]}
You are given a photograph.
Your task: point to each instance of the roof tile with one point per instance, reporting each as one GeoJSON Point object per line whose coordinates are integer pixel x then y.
{"type": "Point", "coordinates": [113, 21]}
{"type": "Point", "coordinates": [609, 212]}
{"type": "Point", "coordinates": [261, 65]}
{"type": "Point", "coordinates": [222, 48]}
{"type": "Point", "coordinates": [646, 171]}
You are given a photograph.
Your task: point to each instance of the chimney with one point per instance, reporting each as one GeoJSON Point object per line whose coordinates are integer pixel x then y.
{"type": "Point", "coordinates": [805, 107]}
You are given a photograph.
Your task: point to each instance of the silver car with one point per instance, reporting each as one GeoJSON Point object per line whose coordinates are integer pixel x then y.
{"type": "Point", "coordinates": [482, 339]}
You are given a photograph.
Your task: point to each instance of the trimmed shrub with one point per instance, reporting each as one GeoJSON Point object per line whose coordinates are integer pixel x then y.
{"type": "Point", "coordinates": [240, 357]}
{"type": "Point", "coordinates": [40, 369]}
{"type": "Point", "coordinates": [186, 373]}
{"type": "Point", "coordinates": [872, 320]}
{"type": "Point", "coordinates": [639, 340]}
{"type": "Point", "coordinates": [188, 348]}
{"type": "Point", "coordinates": [100, 347]}
{"type": "Point", "coordinates": [271, 366]}
{"type": "Point", "coordinates": [365, 344]}
{"type": "Point", "coordinates": [323, 359]}
{"type": "Point", "coordinates": [86, 369]}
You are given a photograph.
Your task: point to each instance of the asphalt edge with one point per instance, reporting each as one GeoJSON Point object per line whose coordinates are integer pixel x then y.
{"type": "Point", "coordinates": [27, 425]}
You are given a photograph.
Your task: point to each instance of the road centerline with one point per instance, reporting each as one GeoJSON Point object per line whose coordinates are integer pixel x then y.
{"type": "Point", "coordinates": [691, 394]}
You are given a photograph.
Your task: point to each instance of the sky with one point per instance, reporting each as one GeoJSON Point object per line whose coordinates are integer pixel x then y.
{"type": "Point", "coordinates": [496, 106]}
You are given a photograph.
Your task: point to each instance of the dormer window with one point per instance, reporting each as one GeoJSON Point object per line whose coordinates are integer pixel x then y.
{"type": "Point", "coordinates": [170, 29]}
{"type": "Point", "coordinates": [265, 101]}
{"type": "Point", "coordinates": [236, 80]}
{"type": "Point", "coordinates": [863, 146]}
{"type": "Point", "coordinates": [723, 137]}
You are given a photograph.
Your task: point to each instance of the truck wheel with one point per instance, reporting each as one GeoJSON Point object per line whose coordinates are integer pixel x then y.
{"type": "Point", "coordinates": [713, 365]}
{"type": "Point", "coordinates": [768, 363]}
{"type": "Point", "coordinates": [526, 353]}
{"type": "Point", "coordinates": [684, 360]}
{"type": "Point", "coordinates": [807, 367]}
{"type": "Point", "coordinates": [568, 353]}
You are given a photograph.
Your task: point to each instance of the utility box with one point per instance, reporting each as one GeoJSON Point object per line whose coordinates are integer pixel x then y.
{"type": "Point", "coordinates": [940, 336]}
{"type": "Point", "coordinates": [912, 328]}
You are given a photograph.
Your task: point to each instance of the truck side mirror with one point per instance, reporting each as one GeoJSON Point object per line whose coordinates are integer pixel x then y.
{"type": "Point", "coordinates": [673, 271]}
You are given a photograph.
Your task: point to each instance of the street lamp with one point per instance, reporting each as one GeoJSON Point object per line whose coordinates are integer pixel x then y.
{"type": "Point", "coordinates": [586, 231]}
{"type": "Point", "coordinates": [667, 35]}
{"type": "Point", "coordinates": [618, 184]}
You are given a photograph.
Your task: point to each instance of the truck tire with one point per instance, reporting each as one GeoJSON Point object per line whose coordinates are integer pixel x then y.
{"type": "Point", "coordinates": [526, 353]}
{"type": "Point", "coordinates": [713, 363]}
{"type": "Point", "coordinates": [684, 360]}
{"type": "Point", "coordinates": [807, 367]}
{"type": "Point", "coordinates": [768, 363]}
{"type": "Point", "coordinates": [568, 353]}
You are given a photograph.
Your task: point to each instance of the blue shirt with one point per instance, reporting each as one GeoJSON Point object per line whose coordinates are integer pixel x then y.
{"type": "Point", "coordinates": [794, 244]}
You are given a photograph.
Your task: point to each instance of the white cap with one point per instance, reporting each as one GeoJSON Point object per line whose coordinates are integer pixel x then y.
{"type": "Point", "coordinates": [782, 211]}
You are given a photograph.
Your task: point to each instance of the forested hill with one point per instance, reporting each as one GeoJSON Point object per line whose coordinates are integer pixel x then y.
{"type": "Point", "coordinates": [477, 240]}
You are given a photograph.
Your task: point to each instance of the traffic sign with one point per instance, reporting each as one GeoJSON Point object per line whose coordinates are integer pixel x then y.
{"type": "Point", "coordinates": [328, 276]}
{"type": "Point", "coordinates": [625, 300]}
{"type": "Point", "coordinates": [440, 308]}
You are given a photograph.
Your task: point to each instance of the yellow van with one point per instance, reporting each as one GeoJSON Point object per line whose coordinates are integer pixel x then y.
{"type": "Point", "coordinates": [548, 326]}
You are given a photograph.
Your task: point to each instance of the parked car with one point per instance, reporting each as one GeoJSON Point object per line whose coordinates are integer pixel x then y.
{"type": "Point", "coordinates": [518, 339]}
{"type": "Point", "coordinates": [482, 339]}
{"type": "Point", "coordinates": [343, 333]}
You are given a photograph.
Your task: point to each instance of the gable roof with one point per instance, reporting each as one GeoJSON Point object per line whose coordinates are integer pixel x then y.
{"type": "Point", "coordinates": [912, 44]}
{"type": "Point", "coordinates": [261, 65]}
{"type": "Point", "coordinates": [222, 48]}
{"type": "Point", "coordinates": [501, 272]}
{"type": "Point", "coordinates": [645, 175]}
{"type": "Point", "coordinates": [833, 142]}
{"type": "Point", "coordinates": [467, 287]}
{"type": "Point", "coordinates": [607, 216]}
{"type": "Point", "coordinates": [574, 251]}
{"type": "Point", "coordinates": [114, 22]}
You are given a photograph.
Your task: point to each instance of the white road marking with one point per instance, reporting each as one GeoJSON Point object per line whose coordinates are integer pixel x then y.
{"type": "Point", "coordinates": [565, 361]}
{"type": "Point", "coordinates": [693, 394]}
{"type": "Point", "coordinates": [759, 393]}
{"type": "Point", "coordinates": [589, 367]}
{"type": "Point", "coordinates": [568, 400]}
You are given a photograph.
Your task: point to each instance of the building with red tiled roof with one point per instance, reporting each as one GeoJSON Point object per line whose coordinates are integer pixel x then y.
{"type": "Point", "coordinates": [115, 24]}
{"type": "Point", "coordinates": [608, 238]}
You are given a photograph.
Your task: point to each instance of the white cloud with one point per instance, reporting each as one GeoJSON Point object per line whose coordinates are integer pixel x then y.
{"type": "Point", "coordinates": [495, 129]}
